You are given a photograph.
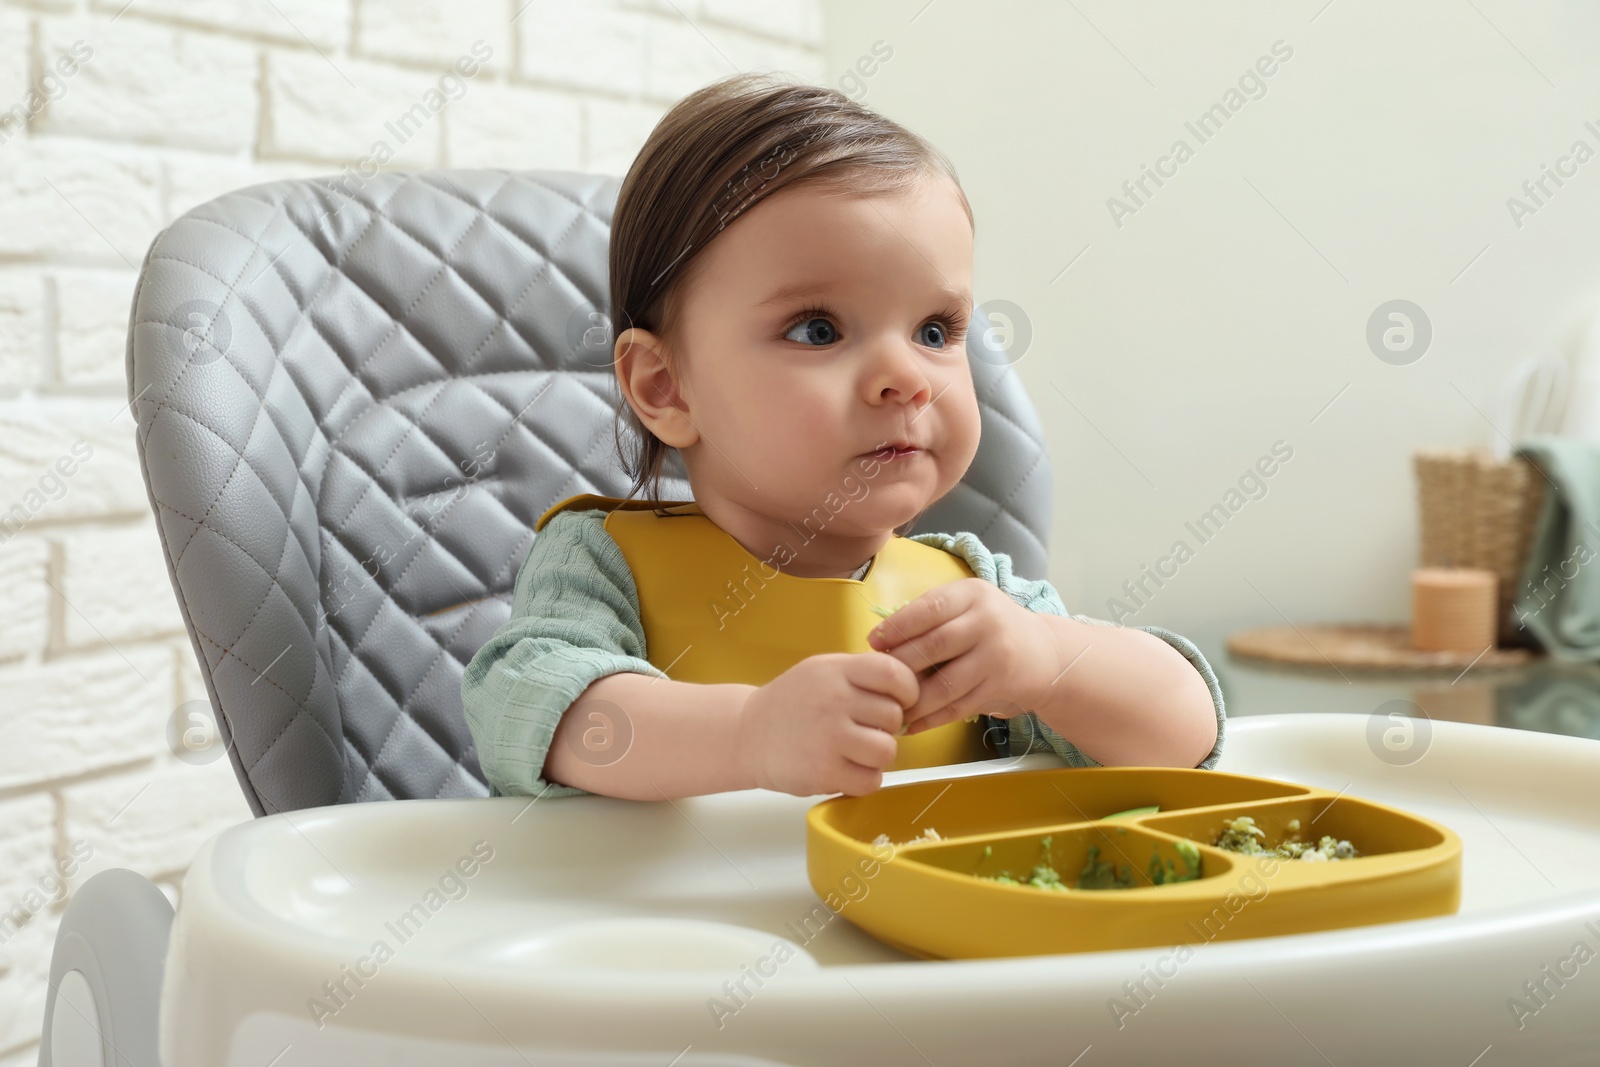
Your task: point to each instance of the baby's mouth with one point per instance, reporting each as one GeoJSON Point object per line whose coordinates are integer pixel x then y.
{"type": "Point", "coordinates": [896, 452]}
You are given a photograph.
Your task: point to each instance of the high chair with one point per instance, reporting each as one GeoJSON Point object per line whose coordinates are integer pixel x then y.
{"type": "Point", "coordinates": [354, 398]}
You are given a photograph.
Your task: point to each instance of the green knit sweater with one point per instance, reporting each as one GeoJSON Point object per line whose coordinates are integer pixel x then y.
{"type": "Point", "coordinates": [575, 618]}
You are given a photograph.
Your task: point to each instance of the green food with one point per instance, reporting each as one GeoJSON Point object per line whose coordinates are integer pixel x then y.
{"type": "Point", "coordinates": [1043, 877]}
{"type": "Point", "coordinates": [1242, 835]}
{"type": "Point", "coordinates": [1099, 874]}
{"type": "Point", "coordinates": [886, 612]}
{"type": "Point", "coordinates": [1151, 810]}
{"type": "Point", "coordinates": [1162, 871]}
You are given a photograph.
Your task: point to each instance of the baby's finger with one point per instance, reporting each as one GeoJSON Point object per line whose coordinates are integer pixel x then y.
{"type": "Point", "coordinates": [935, 719]}
{"type": "Point", "coordinates": [952, 682]}
{"type": "Point", "coordinates": [872, 749]}
{"type": "Point", "coordinates": [913, 619]}
{"type": "Point", "coordinates": [878, 713]}
{"type": "Point", "coordinates": [944, 642]}
{"type": "Point", "coordinates": [879, 672]}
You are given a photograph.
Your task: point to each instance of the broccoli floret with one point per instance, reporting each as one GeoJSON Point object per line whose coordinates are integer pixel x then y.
{"type": "Point", "coordinates": [1244, 836]}
{"type": "Point", "coordinates": [1241, 835]}
{"type": "Point", "coordinates": [1163, 871]}
{"type": "Point", "coordinates": [1100, 875]}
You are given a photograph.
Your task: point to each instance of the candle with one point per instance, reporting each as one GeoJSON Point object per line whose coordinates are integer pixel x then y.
{"type": "Point", "coordinates": [1453, 609]}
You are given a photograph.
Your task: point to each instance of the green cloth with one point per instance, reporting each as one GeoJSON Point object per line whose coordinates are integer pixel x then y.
{"type": "Point", "coordinates": [575, 618]}
{"type": "Point", "coordinates": [1558, 598]}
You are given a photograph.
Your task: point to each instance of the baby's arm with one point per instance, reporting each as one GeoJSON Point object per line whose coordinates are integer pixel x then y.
{"type": "Point", "coordinates": [1126, 695]}
{"type": "Point", "coordinates": [682, 739]}
{"type": "Point", "coordinates": [825, 725]}
{"type": "Point", "coordinates": [1099, 705]}
{"type": "Point", "coordinates": [1030, 732]}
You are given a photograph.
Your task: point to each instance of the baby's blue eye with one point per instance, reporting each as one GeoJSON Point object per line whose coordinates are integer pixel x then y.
{"type": "Point", "coordinates": [817, 331]}
{"type": "Point", "coordinates": [932, 335]}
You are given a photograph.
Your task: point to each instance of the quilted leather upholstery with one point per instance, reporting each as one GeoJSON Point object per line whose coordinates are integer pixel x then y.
{"type": "Point", "coordinates": [354, 399]}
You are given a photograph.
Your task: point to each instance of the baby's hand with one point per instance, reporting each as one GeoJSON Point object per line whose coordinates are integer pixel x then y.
{"type": "Point", "coordinates": [827, 724]}
{"type": "Point", "coordinates": [974, 648]}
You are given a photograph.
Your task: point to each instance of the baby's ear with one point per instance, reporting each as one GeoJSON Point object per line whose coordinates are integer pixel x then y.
{"type": "Point", "coordinates": [646, 380]}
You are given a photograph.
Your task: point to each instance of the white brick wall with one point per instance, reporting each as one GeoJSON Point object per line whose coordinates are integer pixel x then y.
{"type": "Point", "coordinates": [13, 56]}
{"type": "Point", "coordinates": [91, 320]}
{"type": "Point", "coordinates": [433, 34]}
{"type": "Point", "coordinates": [170, 103]}
{"type": "Point", "coordinates": [515, 126]}
{"type": "Point", "coordinates": [27, 959]}
{"type": "Point", "coordinates": [78, 201]}
{"type": "Point", "coordinates": [324, 23]}
{"type": "Point", "coordinates": [142, 77]}
{"type": "Point", "coordinates": [24, 622]}
{"type": "Point", "coordinates": [21, 298]}
{"type": "Point", "coordinates": [323, 110]}
{"type": "Point", "coordinates": [38, 435]}
{"type": "Point", "coordinates": [114, 582]}
{"type": "Point", "coordinates": [75, 714]}
{"type": "Point", "coordinates": [30, 822]}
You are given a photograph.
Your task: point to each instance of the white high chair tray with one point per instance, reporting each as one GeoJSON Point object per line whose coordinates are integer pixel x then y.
{"type": "Point", "coordinates": [603, 931]}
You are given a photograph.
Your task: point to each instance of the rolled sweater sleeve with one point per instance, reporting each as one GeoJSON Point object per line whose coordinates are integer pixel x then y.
{"type": "Point", "coordinates": [574, 618]}
{"type": "Point", "coordinates": [1029, 733]}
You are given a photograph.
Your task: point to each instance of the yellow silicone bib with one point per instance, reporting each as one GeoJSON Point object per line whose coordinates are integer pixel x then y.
{"type": "Point", "coordinates": [713, 612]}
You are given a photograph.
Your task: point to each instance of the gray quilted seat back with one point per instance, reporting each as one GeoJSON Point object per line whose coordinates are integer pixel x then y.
{"type": "Point", "coordinates": [354, 399]}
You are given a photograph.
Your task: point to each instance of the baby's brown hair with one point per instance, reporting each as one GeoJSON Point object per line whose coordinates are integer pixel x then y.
{"type": "Point", "coordinates": [717, 153]}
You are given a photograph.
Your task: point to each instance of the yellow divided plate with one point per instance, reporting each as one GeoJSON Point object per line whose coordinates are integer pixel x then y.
{"type": "Point", "coordinates": [929, 898]}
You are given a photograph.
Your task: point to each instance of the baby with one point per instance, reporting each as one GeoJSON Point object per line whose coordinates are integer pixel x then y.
{"type": "Point", "coordinates": [791, 281]}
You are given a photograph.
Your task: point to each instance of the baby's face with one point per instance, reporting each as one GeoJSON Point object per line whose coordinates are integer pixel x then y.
{"type": "Point", "coordinates": [818, 327]}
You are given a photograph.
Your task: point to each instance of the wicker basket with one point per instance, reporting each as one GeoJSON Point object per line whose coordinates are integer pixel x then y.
{"type": "Point", "coordinates": [1477, 511]}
